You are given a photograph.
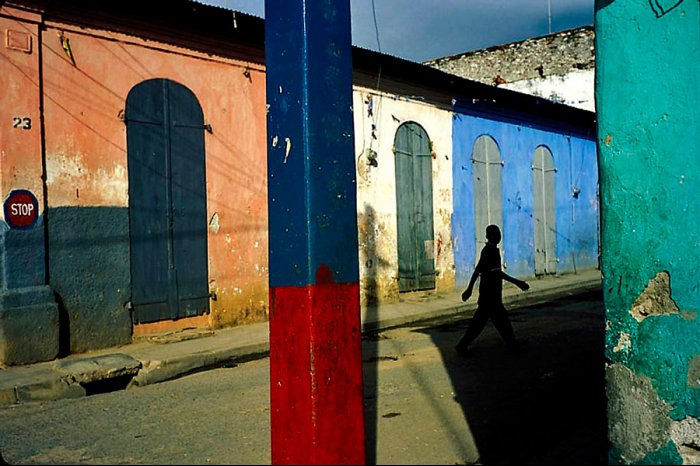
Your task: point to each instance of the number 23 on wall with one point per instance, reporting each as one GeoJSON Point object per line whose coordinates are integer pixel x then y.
{"type": "Point", "coordinates": [22, 122]}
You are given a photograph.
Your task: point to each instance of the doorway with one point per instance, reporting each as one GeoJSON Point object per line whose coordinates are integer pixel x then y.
{"type": "Point", "coordinates": [488, 204]}
{"type": "Point", "coordinates": [414, 206]}
{"type": "Point", "coordinates": [543, 171]}
{"type": "Point", "coordinates": [167, 202]}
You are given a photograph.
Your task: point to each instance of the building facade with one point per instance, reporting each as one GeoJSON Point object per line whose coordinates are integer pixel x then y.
{"type": "Point", "coordinates": [142, 143]}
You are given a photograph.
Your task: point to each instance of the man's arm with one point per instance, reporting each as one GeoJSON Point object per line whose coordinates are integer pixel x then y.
{"type": "Point", "coordinates": [468, 292]}
{"type": "Point", "coordinates": [519, 283]}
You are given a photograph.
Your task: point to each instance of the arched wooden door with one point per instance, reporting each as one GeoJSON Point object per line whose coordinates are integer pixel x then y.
{"type": "Point", "coordinates": [488, 203]}
{"type": "Point", "coordinates": [167, 202]}
{"type": "Point", "coordinates": [414, 206]}
{"type": "Point", "coordinates": [543, 171]}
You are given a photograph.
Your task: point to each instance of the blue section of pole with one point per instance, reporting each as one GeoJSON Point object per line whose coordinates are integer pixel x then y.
{"type": "Point", "coordinates": [311, 165]}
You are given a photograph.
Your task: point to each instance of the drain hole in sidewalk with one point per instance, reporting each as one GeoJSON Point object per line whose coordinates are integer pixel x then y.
{"type": "Point", "coordinates": [106, 385]}
{"type": "Point", "coordinates": [381, 358]}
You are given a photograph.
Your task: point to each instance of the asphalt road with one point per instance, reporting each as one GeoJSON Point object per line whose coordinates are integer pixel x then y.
{"type": "Point", "coordinates": [423, 404]}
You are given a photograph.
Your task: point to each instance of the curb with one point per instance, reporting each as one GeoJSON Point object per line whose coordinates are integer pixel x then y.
{"type": "Point", "coordinates": [76, 378]}
{"type": "Point", "coordinates": [155, 371]}
{"type": "Point", "coordinates": [67, 379]}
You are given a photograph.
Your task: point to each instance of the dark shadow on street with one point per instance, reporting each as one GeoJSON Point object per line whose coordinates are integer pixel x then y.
{"type": "Point", "coordinates": [544, 405]}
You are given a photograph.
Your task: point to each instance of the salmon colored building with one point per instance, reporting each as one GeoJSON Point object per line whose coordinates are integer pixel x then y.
{"type": "Point", "coordinates": [112, 97]}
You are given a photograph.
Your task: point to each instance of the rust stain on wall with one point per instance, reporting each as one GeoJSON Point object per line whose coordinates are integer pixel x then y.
{"type": "Point", "coordinates": [239, 306]}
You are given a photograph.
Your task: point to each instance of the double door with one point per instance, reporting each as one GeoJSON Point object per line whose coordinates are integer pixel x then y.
{"type": "Point", "coordinates": [414, 205]}
{"type": "Point", "coordinates": [167, 202]}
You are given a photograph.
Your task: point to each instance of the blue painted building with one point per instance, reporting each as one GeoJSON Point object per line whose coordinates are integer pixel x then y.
{"type": "Point", "coordinates": [564, 207]}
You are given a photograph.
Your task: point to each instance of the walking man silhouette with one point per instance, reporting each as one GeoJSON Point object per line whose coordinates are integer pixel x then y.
{"type": "Point", "coordinates": [490, 303]}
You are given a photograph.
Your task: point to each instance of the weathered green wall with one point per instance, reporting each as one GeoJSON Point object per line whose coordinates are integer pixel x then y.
{"type": "Point", "coordinates": [647, 88]}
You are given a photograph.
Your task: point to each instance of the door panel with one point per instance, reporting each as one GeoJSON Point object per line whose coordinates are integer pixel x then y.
{"type": "Point", "coordinates": [189, 202]}
{"type": "Point", "coordinates": [148, 220]}
{"type": "Point", "coordinates": [405, 211]}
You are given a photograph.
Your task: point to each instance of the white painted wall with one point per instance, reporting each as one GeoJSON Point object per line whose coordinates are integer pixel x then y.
{"type": "Point", "coordinates": [376, 188]}
{"type": "Point", "coordinates": [575, 88]}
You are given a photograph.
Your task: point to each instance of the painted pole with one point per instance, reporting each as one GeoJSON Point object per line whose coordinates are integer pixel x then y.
{"type": "Point", "coordinates": [315, 349]}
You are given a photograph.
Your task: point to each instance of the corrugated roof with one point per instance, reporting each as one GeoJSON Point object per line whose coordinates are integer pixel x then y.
{"type": "Point", "coordinates": [225, 7]}
{"type": "Point", "coordinates": [211, 29]}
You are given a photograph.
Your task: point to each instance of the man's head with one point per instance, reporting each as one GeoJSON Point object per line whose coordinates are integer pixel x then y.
{"type": "Point", "coordinates": [493, 234]}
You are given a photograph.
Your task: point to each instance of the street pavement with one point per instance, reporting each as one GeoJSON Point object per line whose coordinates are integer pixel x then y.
{"type": "Point", "coordinates": [170, 355]}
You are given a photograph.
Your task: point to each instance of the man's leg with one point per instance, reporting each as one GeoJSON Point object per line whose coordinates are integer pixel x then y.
{"type": "Point", "coordinates": [502, 323]}
{"type": "Point", "coordinates": [476, 325]}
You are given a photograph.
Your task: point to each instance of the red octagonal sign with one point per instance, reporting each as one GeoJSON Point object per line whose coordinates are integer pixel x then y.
{"type": "Point", "coordinates": [21, 209]}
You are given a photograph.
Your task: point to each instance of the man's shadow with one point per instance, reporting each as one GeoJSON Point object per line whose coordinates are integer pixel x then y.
{"type": "Point", "coordinates": [544, 405]}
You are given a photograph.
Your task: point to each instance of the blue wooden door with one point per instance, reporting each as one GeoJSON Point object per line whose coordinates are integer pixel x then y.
{"type": "Point", "coordinates": [167, 202]}
{"type": "Point", "coordinates": [414, 207]}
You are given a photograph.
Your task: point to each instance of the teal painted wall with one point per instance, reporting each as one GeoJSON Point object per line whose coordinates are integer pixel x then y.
{"type": "Point", "coordinates": [647, 98]}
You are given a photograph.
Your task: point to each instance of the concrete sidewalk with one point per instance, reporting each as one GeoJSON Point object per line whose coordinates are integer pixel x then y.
{"type": "Point", "coordinates": [166, 356]}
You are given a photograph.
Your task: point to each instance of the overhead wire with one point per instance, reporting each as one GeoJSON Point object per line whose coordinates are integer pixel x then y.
{"type": "Point", "coordinates": [379, 77]}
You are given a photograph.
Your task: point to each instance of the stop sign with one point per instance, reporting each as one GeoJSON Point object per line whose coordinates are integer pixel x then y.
{"type": "Point", "coordinates": [21, 209]}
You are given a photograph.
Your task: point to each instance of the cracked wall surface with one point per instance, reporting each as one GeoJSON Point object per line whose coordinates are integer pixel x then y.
{"type": "Point", "coordinates": [647, 100]}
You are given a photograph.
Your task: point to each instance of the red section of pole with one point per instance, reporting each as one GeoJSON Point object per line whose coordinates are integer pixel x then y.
{"type": "Point", "coordinates": [316, 375]}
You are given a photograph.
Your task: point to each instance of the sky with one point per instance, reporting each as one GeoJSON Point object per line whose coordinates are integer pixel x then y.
{"type": "Point", "coordinates": [421, 30]}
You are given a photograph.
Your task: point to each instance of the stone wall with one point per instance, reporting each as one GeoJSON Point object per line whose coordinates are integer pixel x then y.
{"type": "Point", "coordinates": [558, 66]}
